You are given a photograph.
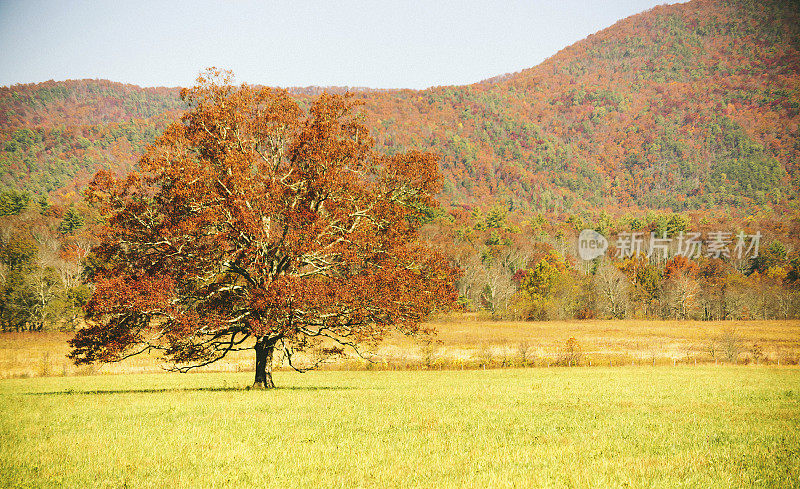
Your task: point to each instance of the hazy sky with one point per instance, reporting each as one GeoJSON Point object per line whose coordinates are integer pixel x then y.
{"type": "Point", "coordinates": [386, 44]}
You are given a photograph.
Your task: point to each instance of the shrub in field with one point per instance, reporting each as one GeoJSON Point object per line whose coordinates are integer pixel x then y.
{"type": "Point", "coordinates": [731, 343]}
{"type": "Point", "coordinates": [756, 353]}
{"type": "Point", "coordinates": [571, 354]}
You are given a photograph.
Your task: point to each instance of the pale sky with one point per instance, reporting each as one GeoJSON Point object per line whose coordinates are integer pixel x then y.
{"type": "Point", "coordinates": [379, 44]}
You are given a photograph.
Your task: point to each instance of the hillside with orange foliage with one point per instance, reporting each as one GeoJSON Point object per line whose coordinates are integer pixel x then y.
{"type": "Point", "coordinates": [684, 106]}
{"type": "Point", "coordinates": [687, 106]}
{"type": "Point", "coordinates": [684, 119]}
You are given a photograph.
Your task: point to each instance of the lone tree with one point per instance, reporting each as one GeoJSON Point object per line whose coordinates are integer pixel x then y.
{"type": "Point", "coordinates": [256, 224]}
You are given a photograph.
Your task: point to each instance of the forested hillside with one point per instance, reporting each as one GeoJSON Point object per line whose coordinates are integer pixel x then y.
{"type": "Point", "coordinates": [684, 118]}
{"type": "Point", "coordinates": [683, 106]}
{"type": "Point", "coordinates": [57, 134]}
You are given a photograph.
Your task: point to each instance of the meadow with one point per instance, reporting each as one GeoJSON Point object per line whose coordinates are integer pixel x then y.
{"type": "Point", "coordinates": [473, 342]}
{"type": "Point", "coordinates": [643, 426]}
{"type": "Point", "coordinates": [650, 404]}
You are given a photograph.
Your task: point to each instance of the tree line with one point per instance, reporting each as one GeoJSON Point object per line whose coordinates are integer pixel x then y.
{"type": "Point", "coordinates": [511, 267]}
{"type": "Point", "coordinates": [531, 270]}
{"type": "Point", "coordinates": [42, 252]}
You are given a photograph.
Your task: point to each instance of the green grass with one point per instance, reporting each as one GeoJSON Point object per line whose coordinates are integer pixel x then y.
{"type": "Point", "coordinates": [560, 427]}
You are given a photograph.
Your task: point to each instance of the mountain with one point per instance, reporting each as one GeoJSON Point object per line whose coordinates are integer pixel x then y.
{"type": "Point", "coordinates": [682, 106]}
{"type": "Point", "coordinates": [56, 135]}
{"type": "Point", "coordinates": [688, 106]}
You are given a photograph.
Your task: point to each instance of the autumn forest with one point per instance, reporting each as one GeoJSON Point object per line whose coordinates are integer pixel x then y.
{"type": "Point", "coordinates": [682, 119]}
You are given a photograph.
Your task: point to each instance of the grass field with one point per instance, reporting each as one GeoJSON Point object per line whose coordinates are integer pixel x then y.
{"type": "Point", "coordinates": [705, 426]}
{"type": "Point", "coordinates": [468, 342]}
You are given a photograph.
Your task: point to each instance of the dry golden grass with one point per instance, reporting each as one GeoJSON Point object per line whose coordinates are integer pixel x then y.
{"type": "Point", "coordinates": [44, 354]}
{"type": "Point", "coordinates": [638, 340]}
{"type": "Point", "coordinates": [467, 341]}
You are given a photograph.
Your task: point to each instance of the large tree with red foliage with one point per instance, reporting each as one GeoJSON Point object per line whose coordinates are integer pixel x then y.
{"type": "Point", "coordinates": [256, 224]}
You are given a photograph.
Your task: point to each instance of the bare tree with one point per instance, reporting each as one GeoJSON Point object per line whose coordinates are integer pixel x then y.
{"type": "Point", "coordinates": [613, 288]}
{"type": "Point", "coordinates": [681, 294]}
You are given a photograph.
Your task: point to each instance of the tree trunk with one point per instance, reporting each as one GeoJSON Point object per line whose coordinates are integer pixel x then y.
{"type": "Point", "coordinates": [265, 347]}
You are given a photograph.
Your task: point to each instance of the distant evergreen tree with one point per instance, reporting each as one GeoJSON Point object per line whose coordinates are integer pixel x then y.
{"type": "Point", "coordinates": [13, 202]}
{"type": "Point", "coordinates": [71, 222]}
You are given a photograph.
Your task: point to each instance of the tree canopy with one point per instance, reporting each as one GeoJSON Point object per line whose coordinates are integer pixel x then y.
{"type": "Point", "coordinates": [254, 220]}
